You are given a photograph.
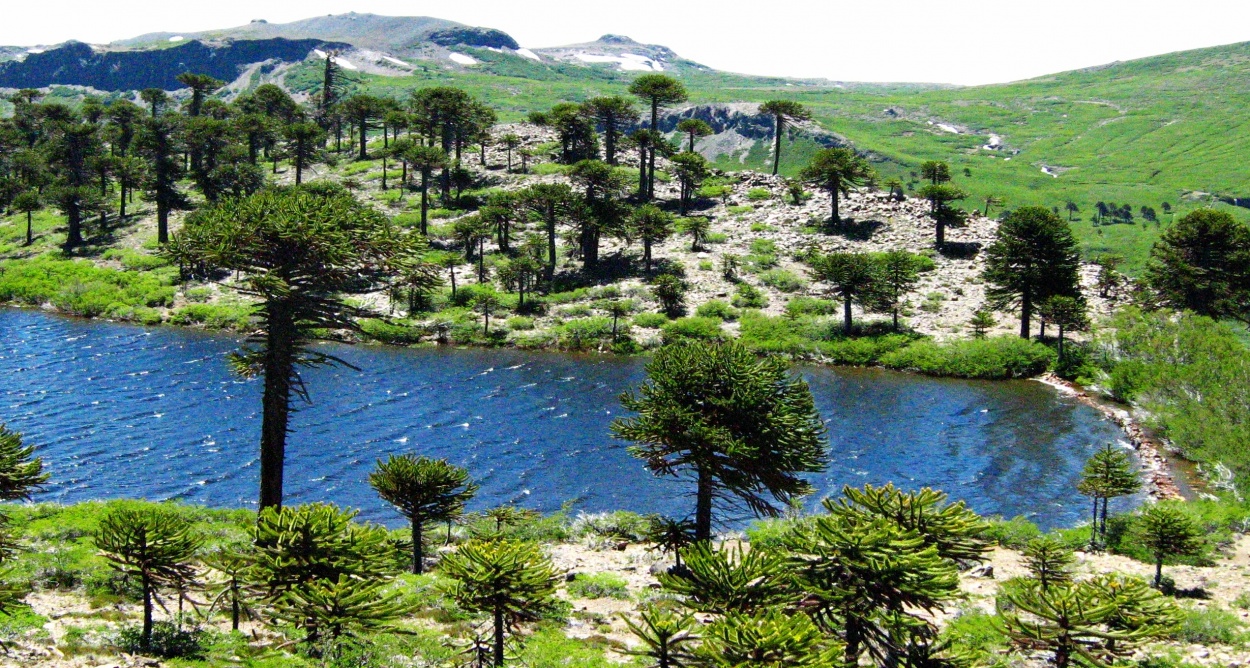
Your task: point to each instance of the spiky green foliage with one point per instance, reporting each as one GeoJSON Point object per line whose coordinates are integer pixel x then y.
{"type": "Point", "coordinates": [668, 638]}
{"type": "Point", "coordinates": [296, 545]}
{"type": "Point", "coordinates": [152, 545]}
{"type": "Point", "coordinates": [957, 532]}
{"type": "Point", "coordinates": [1168, 532]}
{"type": "Point", "coordinates": [1108, 474]}
{"type": "Point", "coordinates": [332, 609]}
{"type": "Point", "coordinates": [670, 291]}
{"type": "Point", "coordinates": [506, 516]}
{"type": "Point", "coordinates": [1082, 622]}
{"type": "Point", "coordinates": [859, 575]}
{"type": "Point", "coordinates": [729, 579]}
{"type": "Point", "coordinates": [424, 490]}
{"type": "Point", "coordinates": [669, 535]}
{"type": "Point", "coordinates": [298, 251]}
{"type": "Point", "coordinates": [768, 639]}
{"type": "Point", "coordinates": [783, 112]}
{"type": "Point", "coordinates": [1049, 561]}
{"type": "Point", "coordinates": [511, 581]}
{"type": "Point", "coordinates": [1033, 256]}
{"type": "Point", "coordinates": [851, 276]}
{"type": "Point", "coordinates": [1202, 263]}
{"type": "Point", "coordinates": [229, 588]}
{"type": "Point", "coordinates": [21, 473]}
{"type": "Point", "coordinates": [744, 427]}
{"type": "Point", "coordinates": [837, 170]}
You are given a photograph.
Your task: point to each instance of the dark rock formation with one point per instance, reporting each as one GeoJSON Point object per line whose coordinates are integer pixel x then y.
{"type": "Point", "coordinates": [478, 37]}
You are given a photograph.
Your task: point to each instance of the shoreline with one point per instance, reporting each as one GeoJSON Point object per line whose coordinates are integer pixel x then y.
{"type": "Point", "coordinates": [1160, 474]}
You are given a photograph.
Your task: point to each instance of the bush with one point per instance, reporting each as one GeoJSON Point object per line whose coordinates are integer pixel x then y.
{"type": "Point", "coordinates": [783, 280]}
{"type": "Point", "coordinates": [992, 358]}
{"type": "Point", "coordinates": [598, 585]}
{"type": "Point", "coordinates": [1014, 533]}
{"type": "Point", "coordinates": [520, 323]}
{"type": "Point", "coordinates": [1206, 626]}
{"type": "Point", "coordinates": [702, 329]}
{"type": "Point", "coordinates": [759, 194]}
{"type": "Point", "coordinates": [466, 294]}
{"type": "Point", "coordinates": [168, 641]}
{"type": "Point", "coordinates": [81, 288]}
{"type": "Point", "coordinates": [618, 525]}
{"type": "Point", "coordinates": [798, 306]}
{"type": "Point", "coordinates": [749, 296]}
{"type": "Point", "coordinates": [214, 316]}
{"type": "Point", "coordinates": [650, 320]}
{"type": "Point", "coordinates": [976, 632]}
{"type": "Point", "coordinates": [391, 332]}
{"type": "Point", "coordinates": [584, 333]}
{"type": "Point", "coordinates": [717, 309]}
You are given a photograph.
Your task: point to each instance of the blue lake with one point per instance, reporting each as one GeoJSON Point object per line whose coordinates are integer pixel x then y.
{"type": "Point", "coordinates": [126, 411]}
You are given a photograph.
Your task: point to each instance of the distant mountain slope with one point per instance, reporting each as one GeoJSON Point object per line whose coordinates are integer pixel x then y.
{"type": "Point", "coordinates": [398, 35]}
{"type": "Point", "coordinates": [75, 63]}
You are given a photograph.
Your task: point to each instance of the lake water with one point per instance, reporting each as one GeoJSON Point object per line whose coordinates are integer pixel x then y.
{"type": "Point", "coordinates": [127, 411]}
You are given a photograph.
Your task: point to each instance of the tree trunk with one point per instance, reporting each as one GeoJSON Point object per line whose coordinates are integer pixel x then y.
{"type": "Point", "coordinates": [30, 234]}
{"type": "Point", "coordinates": [279, 367]}
{"type": "Point", "coordinates": [1102, 530]}
{"type": "Point", "coordinates": [1158, 571]}
{"type": "Point", "coordinates": [941, 232]}
{"type": "Point", "coordinates": [425, 201]}
{"type": "Point", "coordinates": [121, 209]}
{"type": "Point", "coordinates": [1026, 312]}
{"type": "Point", "coordinates": [234, 606]}
{"type": "Point", "coordinates": [846, 315]}
{"type": "Point", "coordinates": [452, 271]}
{"type": "Point", "coordinates": [1093, 526]}
{"type": "Point", "coordinates": [498, 636]}
{"type": "Point", "coordinates": [853, 639]}
{"type": "Point", "coordinates": [642, 170]}
{"type": "Point", "coordinates": [509, 151]}
{"type": "Point", "coordinates": [834, 187]}
{"type": "Point", "coordinates": [655, 123]}
{"type": "Point", "coordinates": [777, 145]}
{"type": "Point", "coordinates": [551, 244]}
{"type": "Point", "coordinates": [383, 171]}
{"type": "Point", "coordinates": [703, 507]}
{"type": "Point", "coordinates": [646, 253]}
{"type": "Point", "coordinates": [417, 547]}
{"type": "Point", "coordinates": [162, 223]}
{"type": "Point", "coordinates": [609, 140]}
{"type": "Point", "coordinates": [146, 583]}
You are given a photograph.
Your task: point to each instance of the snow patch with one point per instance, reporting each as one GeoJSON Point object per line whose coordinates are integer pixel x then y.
{"type": "Point", "coordinates": [526, 53]}
{"type": "Point", "coordinates": [319, 53]}
{"type": "Point", "coordinates": [628, 62]}
{"type": "Point", "coordinates": [35, 50]}
{"type": "Point", "coordinates": [177, 38]}
{"type": "Point", "coordinates": [948, 128]}
{"type": "Point", "coordinates": [994, 144]}
{"type": "Point", "coordinates": [1046, 170]}
{"type": "Point", "coordinates": [462, 59]}
{"type": "Point", "coordinates": [396, 61]}
{"type": "Point", "coordinates": [344, 64]}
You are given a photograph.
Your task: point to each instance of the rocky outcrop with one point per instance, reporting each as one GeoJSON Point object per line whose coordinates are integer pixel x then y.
{"type": "Point", "coordinates": [738, 127]}
{"type": "Point", "coordinates": [487, 38]}
{"type": "Point", "coordinates": [75, 63]}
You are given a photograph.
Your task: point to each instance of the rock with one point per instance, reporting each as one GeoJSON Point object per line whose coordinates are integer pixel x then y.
{"type": "Point", "coordinates": [982, 571]}
{"type": "Point", "coordinates": [570, 576]}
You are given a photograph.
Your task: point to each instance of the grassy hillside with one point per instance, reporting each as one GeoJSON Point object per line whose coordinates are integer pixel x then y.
{"type": "Point", "coordinates": [1162, 129]}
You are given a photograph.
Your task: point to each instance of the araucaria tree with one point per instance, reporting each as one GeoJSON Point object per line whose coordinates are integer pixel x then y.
{"type": "Point", "coordinates": [1034, 256]}
{"type": "Point", "coordinates": [614, 114]}
{"type": "Point", "coordinates": [742, 427]}
{"type": "Point", "coordinates": [658, 91]}
{"type": "Point", "coordinates": [424, 490]}
{"type": "Point", "coordinates": [298, 251]}
{"type": "Point", "coordinates": [837, 170]}
{"type": "Point", "coordinates": [153, 545]}
{"type": "Point", "coordinates": [20, 471]}
{"type": "Point", "coordinates": [1202, 263]}
{"type": "Point", "coordinates": [1108, 474]}
{"type": "Point", "coordinates": [158, 143]}
{"type": "Point", "coordinates": [1168, 533]}
{"type": "Point", "coordinates": [783, 112]}
{"type": "Point", "coordinates": [513, 582]}
{"type": "Point", "coordinates": [651, 224]}
{"type": "Point", "coordinates": [851, 276]}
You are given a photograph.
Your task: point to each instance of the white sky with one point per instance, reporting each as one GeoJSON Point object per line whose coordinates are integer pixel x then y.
{"type": "Point", "coordinates": [956, 41]}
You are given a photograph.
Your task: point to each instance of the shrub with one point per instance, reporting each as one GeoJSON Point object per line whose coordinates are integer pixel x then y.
{"type": "Point", "coordinates": [992, 358]}
{"type": "Point", "coordinates": [749, 296]}
{"type": "Point", "coordinates": [703, 329]}
{"type": "Point", "coordinates": [584, 333]}
{"type": "Point", "coordinates": [169, 641]}
{"type": "Point", "coordinates": [598, 585]}
{"type": "Point", "coordinates": [213, 316]}
{"type": "Point", "coordinates": [798, 306]}
{"type": "Point", "coordinates": [738, 210]}
{"type": "Point", "coordinates": [616, 525]}
{"type": "Point", "coordinates": [1014, 533]}
{"type": "Point", "coordinates": [759, 194]}
{"type": "Point", "coordinates": [520, 323]}
{"type": "Point", "coordinates": [1206, 626]}
{"type": "Point", "coordinates": [650, 320]}
{"type": "Point", "coordinates": [783, 280]}
{"type": "Point", "coordinates": [717, 309]}
{"type": "Point", "coordinates": [391, 332]}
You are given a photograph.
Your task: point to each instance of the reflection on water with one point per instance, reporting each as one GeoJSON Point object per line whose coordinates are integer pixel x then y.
{"type": "Point", "coordinates": [123, 411]}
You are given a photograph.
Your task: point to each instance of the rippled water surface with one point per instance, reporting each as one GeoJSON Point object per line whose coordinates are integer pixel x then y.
{"type": "Point", "coordinates": [123, 411]}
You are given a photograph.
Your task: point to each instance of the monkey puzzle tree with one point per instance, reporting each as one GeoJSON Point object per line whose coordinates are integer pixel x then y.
{"type": "Point", "coordinates": [363, 111]}
{"type": "Point", "coordinates": [1066, 312]}
{"type": "Point", "coordinates": [653, 225]}
{"type": "Point", "coordinates": [1168, 533]}
{"type": "Point", "coordinates": [743, 427]}
{"type": "Point", "coordinates": [602, 209]}
{"type": "Point", "coordinates": [670, 291]}
{"type": "Point", "coordinates": [423, 490]}
{"type": "Point", "coordinates": [1202, 263]}
{"type": "Point", "coordinates": [20, 471]}
{"type": "Point", "coordinates": [768, 639]}
{"type": "Point", "coordinates": [1049, 561]}
{"type": "Point", "coordinates": [667, 638]}
{"type": "Point", "coordinates": [201, 85]}
{"type": "Point", "coordinates": [302, 145]}
{"type": "Point", "coordinates": [510, 143]}
{"type": "Point", "coordinates": [783, 112]}
{"type": "Point", "coordinates": [935, 172]}
{"type": "Point", "coordinates": [693, 128]}
{"type": "Point", "coordinates": [958, 534]}
{"type": "Point", "coordinates": [155, 99]}
{"type": "Point", "coordinates": [511, 581]}
{"type": "Point", "coordinates": [298, 251]}
{"type": "Point", "coordinates": [837, 170]}
{"type": "Point", "coordinates": [1034, 256]}
{"type": "Point", "coordinates": [614, 114]}
{"type": "Point", "coordinates": [1108, 474]}
{"type": "Point", "coordinates": [940, 195]}
{"type": "Point", "coordinates": [151, 544]}
{"type": "Point", "coordinates": [690, 169]}
{"type": "Point", "coordinates": [551, 202]}
{"type": "Point", "coordinates": [424, 160]}
{"type": "Point", "coordinates": [28, 202]}
{"type": "Point", "coordinates": [724, 580]}
{"type": "Point", "coordinates": [71, 148]}
{"type": "Point", "coordinates": [658, 91]}
{"type": "Point", "coordinates": [897, 273]}
{"type": "Point", "coordinates": [851, 276]}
